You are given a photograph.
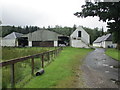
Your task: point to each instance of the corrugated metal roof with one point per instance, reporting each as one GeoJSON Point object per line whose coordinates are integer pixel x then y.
{"type": "Point", "coordinates": [107, 37]}
{"type": "Point", "coordinates": [43, 35]}
{"type": "Point", "coordinates": [27, 35]}
{"type": "Point", "coordinates": [13, 35]}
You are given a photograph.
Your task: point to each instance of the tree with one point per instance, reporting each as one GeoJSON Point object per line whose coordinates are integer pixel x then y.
{"type": "Point", "coordinates": [102, 31]}
{"type": "Point", "coordinates": [74, 27]}
{"type": "Point", "coordinates": [107, 12]}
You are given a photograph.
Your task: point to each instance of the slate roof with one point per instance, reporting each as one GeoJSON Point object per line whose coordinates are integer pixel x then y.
{"type": "Point", "coordinates": [13, 35]}
{"type": "Point", "coordinates": [107, 37]}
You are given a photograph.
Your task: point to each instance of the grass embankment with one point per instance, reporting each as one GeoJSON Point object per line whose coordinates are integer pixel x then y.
{"type": "Point", "coordinates": [114, 53]}
{"type": "Point", "coordinates": [61, 73]}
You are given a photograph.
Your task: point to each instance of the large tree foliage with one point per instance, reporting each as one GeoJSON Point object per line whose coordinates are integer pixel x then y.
{"type": "Point", "coordinates": [5, 30]}
{"type": "Point", "coordinates": [107, 12]}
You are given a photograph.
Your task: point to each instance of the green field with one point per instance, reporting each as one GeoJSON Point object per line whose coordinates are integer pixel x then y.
{"type": "Point", "coordinates": [61, 73]}
{"type": "Point", "coordinates": [13, 52]}
{"type": "Point", "coordinates": [114, 53]}
{"type": "Point", "coordinates": [22, 69]}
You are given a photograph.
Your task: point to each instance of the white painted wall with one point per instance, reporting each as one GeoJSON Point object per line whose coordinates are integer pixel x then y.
{"type": "Point", "coordinates": [76, 41]}
{"type": "Point", "coordinates": [9, 42]}
{"type": "Point", "coordinates": [97, 44]}
{"type": "Point", "coordinates": [105, 44]}
{"type": "Point", "coordinates": [55, 43]}
{"type": "Point", "coordinates": [30, 43]}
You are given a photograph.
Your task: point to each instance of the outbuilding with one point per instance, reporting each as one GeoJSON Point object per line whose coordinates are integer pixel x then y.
{"type": "Point", "coordinates": [104, 41]}
{"type": "Point", "coordinates": [39, 38]}
{"type": "Point", "coordinates": [80, 38]}
{"type": "Point", "coordinates": [42, 38]}
{"type": "Point", "coordinates": [11, 39]}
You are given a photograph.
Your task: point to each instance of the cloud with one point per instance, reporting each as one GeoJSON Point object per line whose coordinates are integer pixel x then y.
{"type": "Point", "coordinates": [45, 13]}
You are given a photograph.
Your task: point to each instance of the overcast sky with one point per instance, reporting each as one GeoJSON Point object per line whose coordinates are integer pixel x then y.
{"type": "Point", "coordinates": [46, 12]}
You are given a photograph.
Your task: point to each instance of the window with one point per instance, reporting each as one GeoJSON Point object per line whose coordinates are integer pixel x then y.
{"type": "Point", "coordinates": [79, 33]}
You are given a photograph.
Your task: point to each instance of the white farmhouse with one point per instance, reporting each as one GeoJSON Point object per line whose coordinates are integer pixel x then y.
{"type": "Point", "coordinates": [104, 41]}
{"type": "Point", "coordinates": [80, 38]}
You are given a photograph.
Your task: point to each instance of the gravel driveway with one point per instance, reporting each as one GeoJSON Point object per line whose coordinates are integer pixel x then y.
{"type": "Point", "coordinates": [100, 71]}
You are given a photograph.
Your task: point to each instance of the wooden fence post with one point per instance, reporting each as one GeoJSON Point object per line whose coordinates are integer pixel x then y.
{"type": "Point", "coordinates": [32, 66]}
{"type": "Point", "coordinates": [48, 56]}
{"type": "Point", "coordinates": [12, 76]}
{"type": "Point", "coordinates": [56, 52]}
{"type": "Point", "coordinates": [52, 54]}
{"type": "Point", "coordinates": [42, 59]}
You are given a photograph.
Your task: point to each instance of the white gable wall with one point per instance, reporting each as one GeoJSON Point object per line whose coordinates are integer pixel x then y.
{"type": "Point", "coordinates": [8, 42]}
{"type": "Point", "coordinates": [84, 35]}
{"type": "Point", "coordinates": [76, 41]}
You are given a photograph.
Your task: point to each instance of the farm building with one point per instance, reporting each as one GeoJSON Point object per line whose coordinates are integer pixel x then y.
{"type": "Point", "coordinates": [45, 38]}
{"type": "Point", "coordinates": [39, 38]}
{"type": "Point", "coordinates": [104, 41]}
{"type": "Point", "coordinates": [80, 38]}
{"type": "Point", "coordinates": [12, 39]}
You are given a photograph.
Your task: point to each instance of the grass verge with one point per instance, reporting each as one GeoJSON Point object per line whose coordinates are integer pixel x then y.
{"type": "Point", "coordinates": [114, 53]}
{"type": "Point", "coordinates": [61, 73]}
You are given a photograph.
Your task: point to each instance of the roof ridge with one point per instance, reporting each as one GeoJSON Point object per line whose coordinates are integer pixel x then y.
{"type": "Point", "coordinates": [15, 34]}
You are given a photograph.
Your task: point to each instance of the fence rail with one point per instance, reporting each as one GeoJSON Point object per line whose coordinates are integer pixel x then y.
{"type": "Point", "coordinates": [12, 62]}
